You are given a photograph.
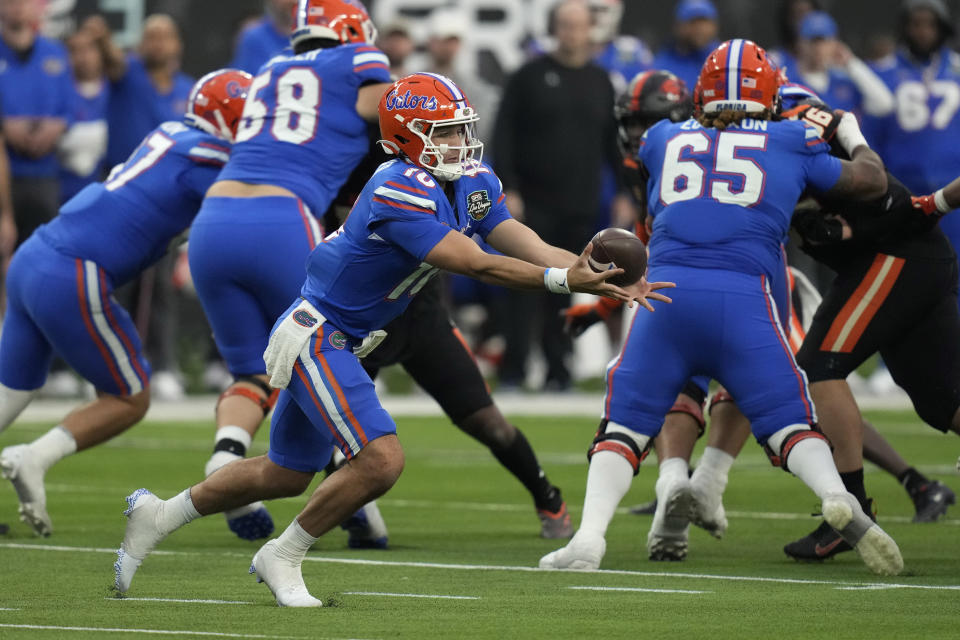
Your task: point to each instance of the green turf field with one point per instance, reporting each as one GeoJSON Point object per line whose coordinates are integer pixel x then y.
{"type": "Point", "coordinates": [463, 533]}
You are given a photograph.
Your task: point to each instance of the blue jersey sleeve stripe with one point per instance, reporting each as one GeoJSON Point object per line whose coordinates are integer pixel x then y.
{"type": "Point", "coordinates": [400, 205]}
{"type": "Point", "coordinates": [402, 196]}
{"type": "Point", "coordinates": [364, 58]}
{"type": "Point", "coordinates": [205, 154]}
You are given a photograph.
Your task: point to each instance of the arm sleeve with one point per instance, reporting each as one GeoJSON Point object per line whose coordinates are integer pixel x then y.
{"type": "Point", "coordinates": [877, 98]}
{"type": "Point", "coordinates": [417, 234]}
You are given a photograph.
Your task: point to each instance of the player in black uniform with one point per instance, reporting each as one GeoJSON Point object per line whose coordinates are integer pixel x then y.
{"type": "Point", "coordinates": [427, 344]}
{"type": "Point", "coordinates": [896, 294]}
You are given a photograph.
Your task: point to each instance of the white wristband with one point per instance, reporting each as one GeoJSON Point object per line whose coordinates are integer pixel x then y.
{"type": "Point", "coordinates": [849, 135]}
{"type": "Point", "coordinates": [941, 201]}
{"type": "Point", "coordinates": [555, 280]}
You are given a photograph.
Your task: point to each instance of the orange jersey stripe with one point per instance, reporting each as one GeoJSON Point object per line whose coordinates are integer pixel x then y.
{"type": "Point", "coordinates": [405, 187]}
{"type": "Point", "coordinates": [401, 205]}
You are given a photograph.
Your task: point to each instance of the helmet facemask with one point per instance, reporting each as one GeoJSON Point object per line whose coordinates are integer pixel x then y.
{"type": "Point", "coordinates": [434, 156]}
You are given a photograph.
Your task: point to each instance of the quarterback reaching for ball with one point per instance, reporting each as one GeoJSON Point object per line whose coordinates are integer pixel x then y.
{"type": "Point", "coordinates": [413, 218]}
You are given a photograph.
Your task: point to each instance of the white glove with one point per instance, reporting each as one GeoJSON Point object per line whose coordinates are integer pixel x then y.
{"type": "Point", "coordinates": [288, 340]}
{"type": "Point", "coordinates": [371, 342]}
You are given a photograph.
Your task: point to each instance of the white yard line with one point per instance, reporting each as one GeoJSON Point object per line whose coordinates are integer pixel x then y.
{"type": "Point", "coordinates": [9, 608]}
{"type": "Point", "coordinates": [638, 589]}
{"type": "Point", "coordinates": [408, 595]}
{"type": "Point", "coordinates": [187, 600]}
{"type": "Point", "coordinates": [163, 632]}
{"type": "Point", "coordinates": [490, 567]}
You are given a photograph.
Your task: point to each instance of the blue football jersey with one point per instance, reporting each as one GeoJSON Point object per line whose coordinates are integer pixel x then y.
{"type": "Point", "coordinates": [126, 223]}
{"type": "Point", "coordinates": [918, 142]}
{"type": "Point", "coordinates": [365, 274]}
{"type": "Point", "coordinates": [300, 127]}
{"type": "Point", "coordinates": [724, 199]}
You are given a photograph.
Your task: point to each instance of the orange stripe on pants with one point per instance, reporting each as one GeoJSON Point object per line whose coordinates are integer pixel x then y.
{"type": "Point", "coordinates": [855, 316]}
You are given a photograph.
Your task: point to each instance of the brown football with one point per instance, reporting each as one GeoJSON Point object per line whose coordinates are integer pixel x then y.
{"type": "Point", "coordinates": [619, 248]}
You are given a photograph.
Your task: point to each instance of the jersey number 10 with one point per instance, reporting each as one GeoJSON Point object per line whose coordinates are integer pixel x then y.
{"type": "Point", "coordinates": [685, 179]}
{"type": "Point", "coordinates": [295, 115]}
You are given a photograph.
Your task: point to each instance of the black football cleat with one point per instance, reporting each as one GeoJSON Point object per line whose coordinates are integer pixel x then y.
{"type": "Point", "coordinates": [932, 501]}
{"type": "Point", "coordinates": [823, 543]}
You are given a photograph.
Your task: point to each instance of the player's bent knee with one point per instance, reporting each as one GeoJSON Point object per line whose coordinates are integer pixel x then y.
{"type": "Point", "coordinates": [779, 445]}
{"type": "Point", "coordinates": [264, 396]}
{"type": "Point", "coordinates": [282, 481]}
{"type": "Point", "coordinates": [381, 463]}
{"type": "Point", "coordinates": [622, 441]}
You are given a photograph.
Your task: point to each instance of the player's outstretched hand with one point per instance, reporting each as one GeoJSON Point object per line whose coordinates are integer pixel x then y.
{"type": "Point", "coordinates": [926, 204]}
{"type": "Point", "coordinates": [288, 340]}
{"type": "Point", "coordinates": [580, 277]}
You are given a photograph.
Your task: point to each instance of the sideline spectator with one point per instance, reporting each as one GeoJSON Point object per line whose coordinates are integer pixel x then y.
{"type": "Point", "coordinates": [146, 89]}
{"type": "Point", "coordinates": [83, 148]}
{"type": "Point", "coordinates": [789, 15]}
{"type": "Point", "coordinates": [36, 98]}
{"type": "Point", "coordinates": [396, 43]}
{"type": "Point", "coordinates": [694, 36]}
{"type": "Point", "coordinates": [554, 133]}
{"type": "Point", "coordinates": [266, 37]}
{"type": "Point", "coordinates": [622, 56]}
{"type": "Point", "coordinates": [826, 65]}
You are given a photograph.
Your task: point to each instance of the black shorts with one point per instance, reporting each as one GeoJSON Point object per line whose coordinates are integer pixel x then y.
{"type": "Point", "coordinates": [905, 309]}
{"type": "Point", "coordinates": [431, 349]}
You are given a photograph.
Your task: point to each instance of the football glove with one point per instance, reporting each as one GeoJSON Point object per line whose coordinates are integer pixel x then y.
{"type": "Point", "coordinates": [925, 204]}
{"type": "Point", "coordinates": [581, 317]}
{"type": "Point", "coordinates": [817, 229]}
{"type": "Point", "coordinates": [823, 121]}
{"type": "Point", "coordinates": [288, 340]}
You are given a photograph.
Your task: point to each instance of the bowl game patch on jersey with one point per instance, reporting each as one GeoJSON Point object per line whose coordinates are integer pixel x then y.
{"type": "Point", "coordinates": [478, 204]}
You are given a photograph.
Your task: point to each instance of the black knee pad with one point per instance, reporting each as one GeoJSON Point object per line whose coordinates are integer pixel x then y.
{"type": "Point", "coordinates": [620, 443]}
{"type": "Point", "coordinates": [780, 458]}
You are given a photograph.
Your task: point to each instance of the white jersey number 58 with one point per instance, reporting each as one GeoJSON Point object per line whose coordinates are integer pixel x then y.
{"type": "Point", "coordinates": [295, 115]}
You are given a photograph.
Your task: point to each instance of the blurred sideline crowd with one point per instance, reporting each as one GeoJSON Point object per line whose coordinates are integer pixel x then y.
{"type": "Point", "coordinates": [73, 109]}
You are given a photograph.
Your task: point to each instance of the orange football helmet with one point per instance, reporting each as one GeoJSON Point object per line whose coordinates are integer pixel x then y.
{"type": "Point", "coordinates": [411, 110]}
{"type": "Point", "coordinates": [345, 21]}
{"type": "Point", "coordinates": [216, 102]}
{"type": "Point", "coordinates": [738, 76]}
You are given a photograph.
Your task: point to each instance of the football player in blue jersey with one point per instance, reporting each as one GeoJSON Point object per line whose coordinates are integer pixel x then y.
{"type": "Point", "coordinates": [918, 141]}
{"type": "Point", "coordinates": [721, 192]}
{"type": "Point", "coordinates": [413, 218]}
{"type": "Point", "coordinates": [60, 284]}
{"type": "Point", "coordinates": [303, 131]}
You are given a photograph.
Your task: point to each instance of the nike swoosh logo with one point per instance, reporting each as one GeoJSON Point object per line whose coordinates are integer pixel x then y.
{"type": "Point", "coordinates": [824, 550]}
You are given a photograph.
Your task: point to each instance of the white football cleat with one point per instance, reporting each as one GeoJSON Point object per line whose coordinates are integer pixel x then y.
{"type": "Point", "coordinates": [141, 536]}
{"type": "Point", "coordinates": [707, 510]}
{"type": "Point", "coordinates": [282, 576]}
{"type": "Point", "coordinates": [877, 549]}
{"type": "Point", "coordinates": [18, 465]}
{"type": "Point", "coordinates": [670, 530]}
{"type": "Point", "coordinates": [584, 552]}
